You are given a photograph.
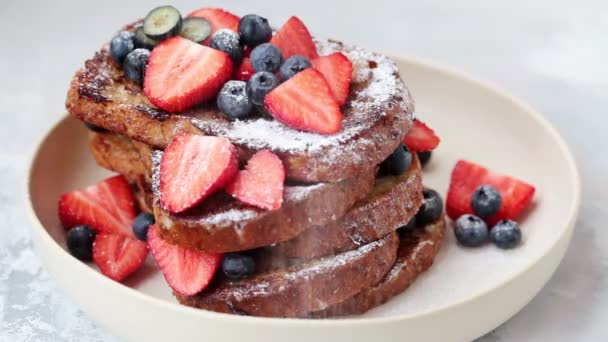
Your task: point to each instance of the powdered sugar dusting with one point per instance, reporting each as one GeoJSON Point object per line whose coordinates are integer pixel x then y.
{"type": "Point", "coordinates": [377, 87]}
{"type": "Point", "coordinates": [230, 216]}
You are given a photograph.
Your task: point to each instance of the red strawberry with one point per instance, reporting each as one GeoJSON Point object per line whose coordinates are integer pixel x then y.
{"type": "Point", "coordinates": [305, 102]}
{"type": "Point", "coordinates": [338, 71]}
{"type": "Point", "coordinates": [182, 73]}
{"type": "Point", "coordinates": [467, 176]}
{"type": "Point", "coordinates": [261, 183]}
{"type": "Point", "coordinates": [118, 256]}
{"type": "Point", "coordinates": [218, 18]}
{"type": "Point", "coordinates": [187, 272]}
{"type": "Point", "coordinates": [245, 70]}
{"type": "Point", "coordinates": [421, 138]}
{"type": "Point", "coordinates": [193, 167]}
{"type": "Point", "coordinates": [294, 39]}
{"type": "Point", "coordinates": [108, 207]}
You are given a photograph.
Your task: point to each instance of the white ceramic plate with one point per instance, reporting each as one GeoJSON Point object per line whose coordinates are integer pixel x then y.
{"type": "Point", "coordinates": [467, 293]}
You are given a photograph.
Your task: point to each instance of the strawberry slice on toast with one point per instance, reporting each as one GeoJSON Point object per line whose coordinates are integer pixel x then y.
{"type": "Point", "coordinates": [293, 38]}
{"type": "Point", "coordinates": [338, 71]}
{"type": "Point", "coordinates": [421, 138]}
{"type": "Point", "coordinates": [219, 19]}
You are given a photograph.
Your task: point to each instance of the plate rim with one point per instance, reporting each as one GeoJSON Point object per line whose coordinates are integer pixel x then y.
{"type": "Point", "coordinates": [40, 231]}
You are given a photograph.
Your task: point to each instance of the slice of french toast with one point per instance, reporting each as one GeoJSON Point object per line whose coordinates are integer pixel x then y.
{"type": "Point", "coordinates": [377, 116]}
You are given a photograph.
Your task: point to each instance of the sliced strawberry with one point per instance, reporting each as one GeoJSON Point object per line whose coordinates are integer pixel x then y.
{"type": "Point", "coordinates": [118, 256]}
{"type": "Point", "coordinates": [294, 39]}
{"type": "Point", "coordinates": [108, 207]}
{"type": "Point", "coordinates": [186, 271]}
{"type": "Point", "coordinates": [193, 167]}
{"type": "Point", "coordinates": [261, 183]}
{"type": "Point", "coordinates": [466, 177]}
{"type": "Point", "coordinates": [219, 19]}
{"type": "Point", "coordinates": [338, 71]}
{"type": "Point", "coordinates": [182, 73]}
{"type": "Point", "coordinates": [421, 138]}
{"type": "Point", "coordinates": [245, 70]}
{"type": "Point", "coordinates": [305, 102]}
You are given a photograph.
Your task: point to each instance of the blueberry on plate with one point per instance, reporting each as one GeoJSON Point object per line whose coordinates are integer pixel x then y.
{"type": "Point", "coordinates": [486, 201]}
{"type": "Point", "coordinates": [233, 100]}
{"type": "Point", "coordinates": [163, 22]}
{"type": "Point", "coordinates": [254, 30]}
{"type": "Point", "coordinates": [260, 84]}
{"type": "Point", "coordinates": [135, 65]}
{"type": "Point", "coordinates": [238, 266]}
{"type": "Point", "coordinates": [471, 231]}
{"type": "Point", "coordinates": [121, 45]}
{"type": "Point", "coordinates": [292, 66]}
{"type": "Point", "coordinates": [431, 208]}
{"type": "Point", "coordinates": [266, 57]}
{"type": "Point", "coordinates": [506, 234]}
{"type": "Point", "coordinates": [228, 41]}
{"type": "Point", "coordinates": [196, 29]}
{"type": "Point", "coordinates": [94, 128]}
{"type": "Point", "coordinates": [142, 41]}
{"type": "Point", "coordinates": [80, 242]}
{"type": "Point", "coordinates": [397, 163]}
{"type": "Point", "coordinates": [141, 224]}
{"type": "Point", "coordinates": [424, 157]}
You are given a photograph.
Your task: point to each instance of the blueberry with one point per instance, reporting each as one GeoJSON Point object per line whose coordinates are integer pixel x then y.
{"type": "Point", "coordinates": [80, 242]}
{"type": "Point", "coordinates": [228, 41]}
{"type": "Point", "coordinates": [238, 266]}
{"type": "Point", "coordinates": [292, 66]}
{"type": "Point", "coordinates": [408, 227]}
{"type": "Point", "coordinates": [506, 234]}
{"type": "Point", "coordinates": [266, 57]}
{"type": "Point", "coordinates": [94, 128]}
{"type": "Point", "coordinates": [397, 163]}
{"type": "Point", "coordinates": [233, 100]}
{"type": "Point", "coordinates": [260, 84]}
{"type": "Point", "coordinates": [486, 201]}
{"type": "Point", "coordinates": [471, 231]}
{"type": "Point", "coordinates": [121, 45]}
{"type": "Point", "coordinates": [254, 30]}
{"type": "Point", "coordinates": [424, 157]}
{"type": "Point", "coordinates": [141, 224]}
{"type": "Point", "coordinates": [431, 208]}
{"type": "Point", "coordinates": [135, 65]}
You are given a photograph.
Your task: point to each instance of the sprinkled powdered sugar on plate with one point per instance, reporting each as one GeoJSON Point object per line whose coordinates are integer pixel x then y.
{"type": "Point", "coordinates": [382, 86]}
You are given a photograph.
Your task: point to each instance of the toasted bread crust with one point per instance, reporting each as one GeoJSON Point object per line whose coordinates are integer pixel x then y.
{"type": "Point", "coordinates": [100, 94]}
{"type": "Point", "coordinates": [297, 290]}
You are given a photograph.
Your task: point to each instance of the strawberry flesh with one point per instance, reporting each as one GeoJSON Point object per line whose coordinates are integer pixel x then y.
{"type": "Point", "coordinates": [338, 71]}
{"type": "Point", "coordinates": [245, 70]}
{"type": "Point", "coordinates": [118, 256]}
{"type": "Point", "coordinates": [188, 272]}
{"type": "Point", "coordinates": [107, 207]}
{"type": "Point", "coordinates": [421, 138]}
{"type": "Point", "coordinates": [194, 167]}
{"type": "Point", "coordinates": [219, 19]}
{"type": "Point", "coordinates": [305, 102]}
{"type": "Point", "coordinates": [293, 38]}
{"type": "Point", "coordinates": [466, 177]}
{"type": "Point", "coordinates": [261, 183]}
{"type": "Point", "coordinates": [182, 73]}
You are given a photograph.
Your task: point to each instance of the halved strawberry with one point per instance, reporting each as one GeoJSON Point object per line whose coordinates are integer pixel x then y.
{"type": "Point", "coordinates": [261, 183]}
{"type": "Point", "coordinates": [193, 167]}
{"type": "Point", "coordinates": [108, 207]}
{"type": "Point", "coordinates": [293, 38]}
{"type": "Point", "coordinates": [421, 138]}
{"type": "Point", "coordinates": [118, 256]}
{"type": "Point", "coordinates": [466, 177]}
{"type": "Point", "coordinates": [338, 71]}
{"type": "Point", "coordinates": [245, 70]}
{"type": "Point", "coordinates": [305, 102]}
{"type": "Point", "coordinates": [182, 73]}
{"type": "Point", "coordinates": [186, 271]}
{"type": "Point", "coordinates": [218, 18]}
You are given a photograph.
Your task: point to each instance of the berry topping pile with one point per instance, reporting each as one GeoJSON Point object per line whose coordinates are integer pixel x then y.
{"type": "Point", "coordinates": [183, 62]}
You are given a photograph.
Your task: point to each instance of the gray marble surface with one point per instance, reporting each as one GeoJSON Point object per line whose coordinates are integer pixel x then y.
{"type": "Point", "coordinates": [552, 54]}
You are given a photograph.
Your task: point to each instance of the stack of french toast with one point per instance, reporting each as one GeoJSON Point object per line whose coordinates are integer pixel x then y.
{"type": "Point", "coordinates": [310, 205]}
